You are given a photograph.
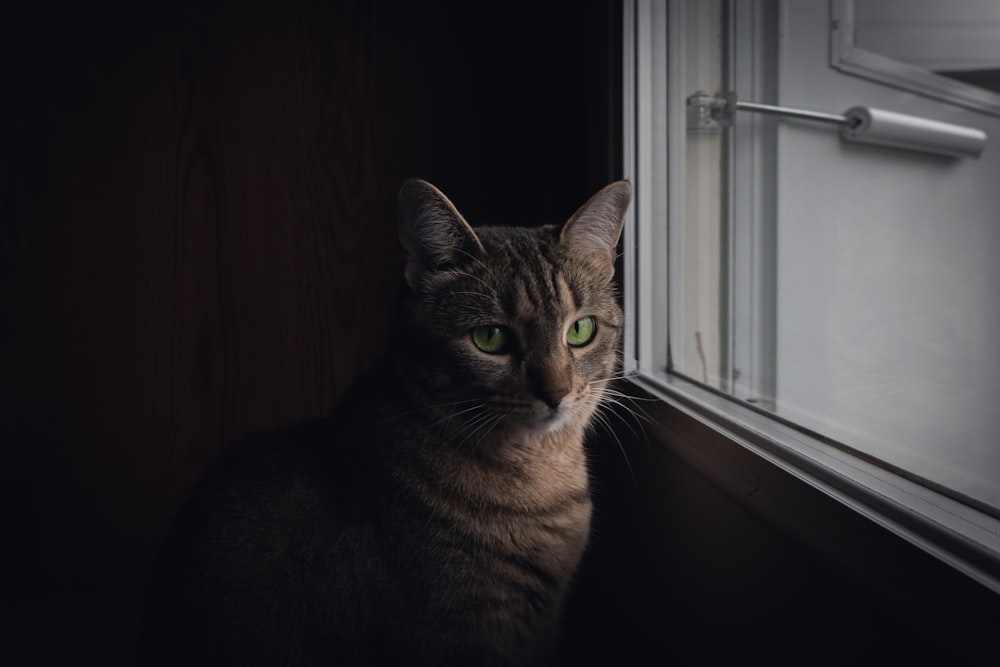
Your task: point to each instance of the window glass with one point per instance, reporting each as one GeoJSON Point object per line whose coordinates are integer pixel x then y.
{"type": "Point", "coordinates": [697, 336]}
{"type": "Point", "coordinates": [958, 39]}
{"type": "Point", "coordinates": [847, 289]}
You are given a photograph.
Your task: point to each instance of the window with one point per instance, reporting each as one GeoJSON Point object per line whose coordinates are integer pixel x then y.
{"type": "Point", "coordinates": [830, 305]}
{"type": "Point", "coordinates": [946, 50]}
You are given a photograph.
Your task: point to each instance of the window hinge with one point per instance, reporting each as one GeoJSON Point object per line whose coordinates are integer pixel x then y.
{"type": "Point", "coordinates": [710, 113]}
{"type": "Point", "coordinates": [714, 113]}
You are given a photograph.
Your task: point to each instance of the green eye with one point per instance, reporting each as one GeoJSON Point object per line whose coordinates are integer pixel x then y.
{"type": "Point", "coordinates": [581, 332]}
{"type": "Point", "coordinates": [490, 338]}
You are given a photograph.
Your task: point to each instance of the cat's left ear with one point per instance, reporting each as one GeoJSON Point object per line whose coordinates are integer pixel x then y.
{"type": "Point", "coordinates": [434, 234]}
{"type": "Point", "coordinates": [593, 231]}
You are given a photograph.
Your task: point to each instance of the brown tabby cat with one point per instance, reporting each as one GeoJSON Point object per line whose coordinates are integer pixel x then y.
{"type": "Point", "coordinates": [438, 515]}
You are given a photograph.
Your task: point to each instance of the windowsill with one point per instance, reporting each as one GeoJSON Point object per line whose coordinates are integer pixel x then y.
{"type": "Point", "coordinates": [960, 535]}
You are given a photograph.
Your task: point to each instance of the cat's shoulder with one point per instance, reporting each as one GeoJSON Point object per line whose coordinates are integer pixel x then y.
{"type": "Point", "coordinates": [325, 461]}
{"type": "Point", "coordinates": [303, 463]}
{"type": "Point", "coordinates": [296, 446]}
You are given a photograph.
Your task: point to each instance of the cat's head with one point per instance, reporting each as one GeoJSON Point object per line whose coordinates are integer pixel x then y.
{"type": "Point", "coordinates": [515, 327]}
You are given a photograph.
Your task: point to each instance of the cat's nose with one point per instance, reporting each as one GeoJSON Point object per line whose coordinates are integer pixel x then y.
{"type": "Point", "coordinates": [549, 384]}
{"type": "Point", "coordinates": [552, 397]}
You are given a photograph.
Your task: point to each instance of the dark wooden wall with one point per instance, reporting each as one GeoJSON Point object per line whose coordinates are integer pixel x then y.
{"type": "Point", "coordinates": [198, 242]}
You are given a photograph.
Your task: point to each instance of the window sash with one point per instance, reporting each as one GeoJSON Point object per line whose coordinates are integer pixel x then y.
{"type": "Point", "coordinates": [950, 527]}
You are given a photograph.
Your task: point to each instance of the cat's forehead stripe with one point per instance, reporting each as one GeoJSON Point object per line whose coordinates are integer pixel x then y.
{"type": "Point", "coordinates": [542, 287]}
{"type": "Point", "coordinates": [529, 280]}
{"type": "Point", "coordinates": [525, 293]}
{"type": "Point", "coordinates": [567, 294]}
{"type": "Point", "coordinates": [528, 268]}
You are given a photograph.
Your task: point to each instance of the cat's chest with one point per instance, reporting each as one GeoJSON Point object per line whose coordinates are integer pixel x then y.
{"type": "Point", "coordinates": [494, 575]}
{"type": "Point", "coordinates": [507, 544]}
{"type": "Point", "coordinates": [544, 513]}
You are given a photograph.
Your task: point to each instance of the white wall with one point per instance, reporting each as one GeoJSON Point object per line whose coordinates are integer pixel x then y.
{"type": "Point", "coordinates": [888, 305]}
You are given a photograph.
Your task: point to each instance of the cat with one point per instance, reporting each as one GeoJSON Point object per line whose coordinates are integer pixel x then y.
{"type": "Point", "coordinates": [438, 515]}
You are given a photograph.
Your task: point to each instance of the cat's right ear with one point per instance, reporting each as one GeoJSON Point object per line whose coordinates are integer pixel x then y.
{"type": "Point", "coordinates": [593, 231]}
{"type": "Point", "coordinates": [434, 235]}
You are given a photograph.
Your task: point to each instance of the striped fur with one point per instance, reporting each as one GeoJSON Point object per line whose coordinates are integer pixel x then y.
{"type": "Point", "coordinates": [437, 517]}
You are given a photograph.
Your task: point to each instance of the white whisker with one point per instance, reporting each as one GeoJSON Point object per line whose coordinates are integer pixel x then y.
{"type": "Point", "coordinates": [466, 274]}
{"type": "Point", "coordinates": [618, 398]}
{"type": "Point", "coordinates": [479, 406]}
{"type": "Point", "coordinates": [435, 407]}
{"type": "Point", "coordinates": [600, 417]}
{"type": "Point", "coordinates": [485, 423]}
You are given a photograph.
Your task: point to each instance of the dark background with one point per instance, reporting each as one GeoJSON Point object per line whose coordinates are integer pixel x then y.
{"type": "Point", "coordinates": [198, 242]}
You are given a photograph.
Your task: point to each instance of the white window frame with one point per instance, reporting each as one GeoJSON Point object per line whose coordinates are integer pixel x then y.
{"type": "Point", "coordinates": [654, 118]}
{"type": "Point", "coordinates": [847, 57]}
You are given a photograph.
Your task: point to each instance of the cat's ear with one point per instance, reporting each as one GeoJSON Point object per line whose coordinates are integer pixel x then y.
{"type": "Point", "coordinates": [434, 235]}
{"type": "Point", "coordinates": [593, 231]}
